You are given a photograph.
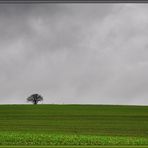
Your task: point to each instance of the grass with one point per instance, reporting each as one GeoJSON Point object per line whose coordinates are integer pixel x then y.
{"type": "Point", "coordinates": [13, 138]}
{"type": "Point", "coordinates": [73, 125]}
{"type": "Point", "coordinates": [74, 146]}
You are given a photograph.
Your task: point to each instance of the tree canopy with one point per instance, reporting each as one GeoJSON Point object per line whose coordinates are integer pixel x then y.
{"type": "Point", "coordinates": [35, 98]}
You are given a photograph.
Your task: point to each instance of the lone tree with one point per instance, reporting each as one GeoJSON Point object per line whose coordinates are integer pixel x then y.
{"type": "Point", "coordinates": [35, 98]}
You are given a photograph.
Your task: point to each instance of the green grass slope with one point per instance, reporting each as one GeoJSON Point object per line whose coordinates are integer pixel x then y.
{"type": "Point", "coordinates": [73, 146]}
{"type": "Point", "coordinates": [73, 125]}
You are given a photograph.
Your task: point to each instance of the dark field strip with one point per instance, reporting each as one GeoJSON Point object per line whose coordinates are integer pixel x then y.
{"type": "Point", "coordinates": [75, 146]}
{"type": "Point", "coordinates": [76, 119]}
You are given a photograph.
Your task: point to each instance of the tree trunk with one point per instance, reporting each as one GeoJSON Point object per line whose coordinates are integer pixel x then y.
{"type": "Point", "coordinates": [35, 102]}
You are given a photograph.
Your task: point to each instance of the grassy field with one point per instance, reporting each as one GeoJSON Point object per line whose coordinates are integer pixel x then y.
{"type": "Point", "coordinates": [73, 147]}
{"type": "Point", "coordinates": [73, 125]}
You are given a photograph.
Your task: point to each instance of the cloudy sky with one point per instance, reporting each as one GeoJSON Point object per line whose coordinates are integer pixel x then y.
{"type": "Point", "coordinates": [74, 53]}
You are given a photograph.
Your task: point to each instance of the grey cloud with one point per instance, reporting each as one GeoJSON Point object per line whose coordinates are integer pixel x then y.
{"type": "Point", "coordinates": [74, 53]}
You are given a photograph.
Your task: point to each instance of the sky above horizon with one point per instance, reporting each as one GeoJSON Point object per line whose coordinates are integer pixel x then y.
{"type": "Point", "coordinates": [74, 53]}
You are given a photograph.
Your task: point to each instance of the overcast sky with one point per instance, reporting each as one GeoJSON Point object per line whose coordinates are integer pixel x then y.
{"type": "Point", "coordinates": [74, 53]}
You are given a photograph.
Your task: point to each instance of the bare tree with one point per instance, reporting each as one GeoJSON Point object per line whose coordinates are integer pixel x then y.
{"type": "Point", "coordinates": [35, 98]}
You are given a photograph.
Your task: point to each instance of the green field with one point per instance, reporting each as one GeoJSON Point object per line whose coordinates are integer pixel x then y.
{"type": "Point", "coordinates": [73, 125]}
{"type": "Point", "coordinates": [74, 146]}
